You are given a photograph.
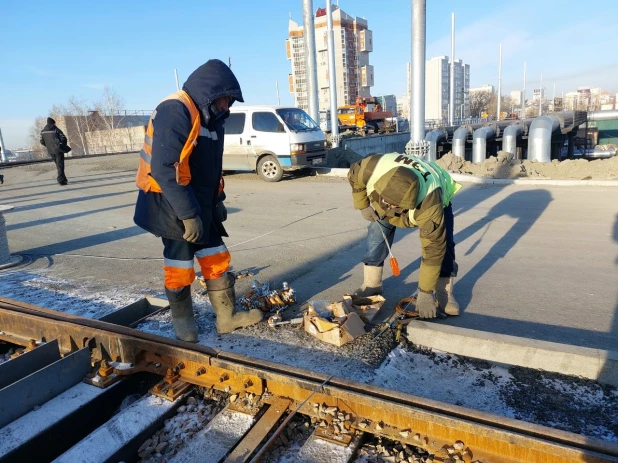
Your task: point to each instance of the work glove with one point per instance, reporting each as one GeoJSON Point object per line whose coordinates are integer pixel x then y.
{"type": "Point", "coordinates": [221, 212]}
{"type": "Point", "coordinates": [425, 305]}
{"type": "Point", "coordinates": [193, 229]}
{"type": "Point", "coordinates": [369, 214]}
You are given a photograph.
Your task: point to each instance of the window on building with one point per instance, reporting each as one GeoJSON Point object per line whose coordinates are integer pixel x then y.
{"type": "Point", "coordinates": [235, 124]}
{"type": "Point", "coordinates": [266, 122]}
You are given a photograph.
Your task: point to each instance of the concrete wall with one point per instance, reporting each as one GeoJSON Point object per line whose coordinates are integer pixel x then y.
{"type": "Point", "coordinates": [117, 140]}
{"type": "Point", "coordinates": [389, 143]}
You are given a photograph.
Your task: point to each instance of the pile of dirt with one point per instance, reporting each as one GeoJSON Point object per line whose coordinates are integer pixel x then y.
{"type": "Point", "coordinates": [341, 157]}
{"type": "Point", "coordinates": [504, 166]}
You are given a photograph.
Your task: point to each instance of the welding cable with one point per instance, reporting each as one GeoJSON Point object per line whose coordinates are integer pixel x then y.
{"type": "Point", "coordinates": [161, 258]}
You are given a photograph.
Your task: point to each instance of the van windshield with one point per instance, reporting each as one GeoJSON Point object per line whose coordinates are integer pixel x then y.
{"type": "Point", "coordinates": [297, 119]}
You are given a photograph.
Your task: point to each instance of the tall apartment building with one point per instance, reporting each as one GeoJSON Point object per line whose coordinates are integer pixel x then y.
{"type": "Point", "coordinates": [353, 42]}
{"type": "Point", "coordinates": [437, 78]}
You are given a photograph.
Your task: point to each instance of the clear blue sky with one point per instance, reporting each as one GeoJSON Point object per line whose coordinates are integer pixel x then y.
{"type": "Point", "coordinates": [52, 50]}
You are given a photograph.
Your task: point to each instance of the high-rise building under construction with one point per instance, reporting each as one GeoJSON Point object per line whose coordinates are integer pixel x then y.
{"type": "Point", "coordinates": [353, 42]}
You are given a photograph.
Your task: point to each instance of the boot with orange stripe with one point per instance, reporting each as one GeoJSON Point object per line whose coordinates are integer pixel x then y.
{"type": "Point", "coordinates": [183, 319]}
{"type": "Point", "coordinates": [223, 300]}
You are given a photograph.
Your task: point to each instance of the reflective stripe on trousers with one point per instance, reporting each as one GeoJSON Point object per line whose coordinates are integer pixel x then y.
{"type": "Point", "coordinates": [178, 261]}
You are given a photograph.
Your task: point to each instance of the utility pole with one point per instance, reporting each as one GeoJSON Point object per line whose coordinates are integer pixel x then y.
{"type": "Point", "coordinates": [541, 97]}
{"type": "Point", "coordinates": [176, 75]}
{"type": "Point", "coordinates": [3, 153]}
{"type": "Point", "coordinates": [499, 83]}
{"type": "Point", "coordinates": [332, 70]}
{"type": "Point", "coordinates": [417, 145]}
{"type": "Point", "coordinates": [277, 85]}
{"type": "Point", "coordinates": [451, 108]}
{"type": "Point", "coordinates": [229, 62]}
{"type": "Point", "coordinates": [523, 98]}
{"type": "Point", "coordinates": [311, 66]}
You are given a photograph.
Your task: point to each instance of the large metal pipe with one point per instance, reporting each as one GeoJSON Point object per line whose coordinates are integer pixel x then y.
{"type": "Point", "coordinates": [539, 138]}
{"type": "Point", "coordinates": [607, 115]}
{"type": "Point", "coordinates": [499, 83]}
{"type": "Point", "coordinates": [479, 143]}
{"type": "Point", "coordinates": [332, 70]}
{"type": "Point", "coordinates": [417, 112]}
{"type": "Point", "coordinates": [451, 106]}
{"type": "Point", "coordinates": [311, 61]}
{"type": "Point", "coordinates": [460, 137]}
{"type": "Point", "coordinates": [523, 97]}
{"type": "Point", "coordinates": [434, 137]}
{"type": "Point", "coordinates": [510, 136]}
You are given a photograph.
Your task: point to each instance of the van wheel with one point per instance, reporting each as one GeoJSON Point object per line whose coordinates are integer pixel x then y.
{"type": "Point", "coordinates": [269, 169]}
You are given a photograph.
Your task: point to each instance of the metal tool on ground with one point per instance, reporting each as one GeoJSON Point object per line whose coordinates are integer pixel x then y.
{"type": "Point", "coordinates": [392, 260]}
{"type": "Point", "coordinates": [403, 305]}
{"type": "Point", "coordinates": [277, 320]}
{"type": "Point", "coordinates": [260, 296]}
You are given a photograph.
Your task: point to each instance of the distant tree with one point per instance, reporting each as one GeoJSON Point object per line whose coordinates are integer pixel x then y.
{"type": "Point", "coordinates": [79, 112]}
{"type": "Point", "coordinates": [34, 135]}
{"type": "Point", "coordinates": [479, 102]}
{"type": "Point", "coordinates": [505, 105]}
{"type": "Point", "coordinates": [110, 113]}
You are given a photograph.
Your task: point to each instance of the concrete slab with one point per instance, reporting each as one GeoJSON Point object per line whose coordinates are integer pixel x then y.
{"type": "Point", "coordinates": [217, 439]}
{"type": "Point", "coordinates": [534, 261]}
{"type": "Point", "coordinates": [316, 450]}
{"type": "Point", "coordinates": [124, 429]}
{"type": "Point", "coordinates": [26, 428]}
{"type": "Point", "coordinates": [596, 364]}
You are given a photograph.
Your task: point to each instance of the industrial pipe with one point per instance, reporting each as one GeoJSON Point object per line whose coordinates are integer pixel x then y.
{"type": "Point", "coordinates": [434, 137]}
{"type": "Point", "coordinates": [607, 115]}
{"type": "Point", "coordinates": [510, 136]}
{"type": "Point", "coordinates": [479, 143]}
{"type": "Point", "coordinates": [539, 138]}
{"type": "Point", "coordinates": [459, 141]}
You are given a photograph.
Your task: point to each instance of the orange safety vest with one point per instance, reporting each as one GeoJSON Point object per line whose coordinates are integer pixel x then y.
{"type": "Point", "coordinates": [183, 174]}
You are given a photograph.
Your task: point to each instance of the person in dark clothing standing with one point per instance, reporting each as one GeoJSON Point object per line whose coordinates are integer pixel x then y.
{"type": "Point", "coordinates": [54, 140]}
{"type": "Point", "coordinates": [181, 195]}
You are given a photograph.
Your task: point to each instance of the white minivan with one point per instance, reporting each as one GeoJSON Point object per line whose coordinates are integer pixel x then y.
{"type": "Point", "coordinates": [272, 139]}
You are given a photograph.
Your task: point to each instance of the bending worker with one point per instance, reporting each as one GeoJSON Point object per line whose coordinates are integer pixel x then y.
{"type": "Point", "coordinates": [181, 195]}
{"type": "Point", "coordinates": [395, 190]}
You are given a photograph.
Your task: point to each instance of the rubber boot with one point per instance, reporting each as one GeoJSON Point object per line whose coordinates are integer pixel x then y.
{"type": "Point", "coordinates": [372, 284]}
{"type": "Point", "coordinates": [183, 319]}
{"type": "Point", "coordinates": [444, 296]}
{"type": "Point", "coordinates": [223, 299]}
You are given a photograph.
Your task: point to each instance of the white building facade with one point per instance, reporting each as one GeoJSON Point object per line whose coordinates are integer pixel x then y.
{"type": "Point", "coordinates": [437, 78]}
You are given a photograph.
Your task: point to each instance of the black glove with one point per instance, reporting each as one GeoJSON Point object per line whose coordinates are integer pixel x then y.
{"type": "Point", "coordinates": [369, 214]}
{"type": "Point", "coordinates": [221, 212]}
{"type": "Point", "coordinates": [193, 229]}
{"type": "Point", "coordinates": [425, 305]}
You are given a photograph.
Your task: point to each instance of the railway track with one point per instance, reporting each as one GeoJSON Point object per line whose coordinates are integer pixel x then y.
{"type": "Point", "coordinates": [58, 402]}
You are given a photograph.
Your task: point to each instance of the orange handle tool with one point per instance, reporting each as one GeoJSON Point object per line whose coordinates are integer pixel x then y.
{"type": "Point", "coordinates": [392, 260]}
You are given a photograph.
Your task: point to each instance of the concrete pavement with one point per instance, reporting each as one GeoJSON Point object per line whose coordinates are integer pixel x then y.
{"type": "Point", "coordinates": [535, 261]}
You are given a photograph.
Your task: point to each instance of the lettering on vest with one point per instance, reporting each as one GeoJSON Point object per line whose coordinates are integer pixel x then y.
{"type": "Point", "coordinates": [408, 161]}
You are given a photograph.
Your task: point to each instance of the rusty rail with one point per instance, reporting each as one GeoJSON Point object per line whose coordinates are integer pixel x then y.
{"type": "Point", "coordinates": [432, 425]}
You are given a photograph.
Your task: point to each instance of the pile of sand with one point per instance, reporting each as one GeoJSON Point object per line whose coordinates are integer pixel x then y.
{"type": "Point", "coordinates": [342, 158]}
{"type": "Point", "coordinates": [504, 166]}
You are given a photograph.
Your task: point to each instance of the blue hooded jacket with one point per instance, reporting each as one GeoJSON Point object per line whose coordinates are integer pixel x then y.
{"type": "Point", "coordinates": [162, 213]}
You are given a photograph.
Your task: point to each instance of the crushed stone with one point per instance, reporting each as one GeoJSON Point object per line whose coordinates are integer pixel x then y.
{"type": "Point", "coordinates": [504, 166]}
{"type": "Point", "coordinates": [537, 397]}
{"type": "Point", "coordinates": [177, 431]}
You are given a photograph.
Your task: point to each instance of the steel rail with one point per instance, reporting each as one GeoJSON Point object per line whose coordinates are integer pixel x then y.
{"type": "Point", "coordinates": [424, 423]}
